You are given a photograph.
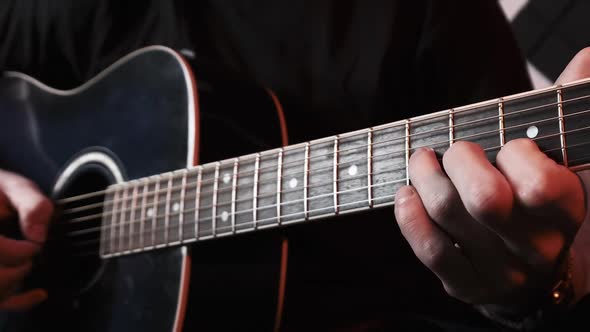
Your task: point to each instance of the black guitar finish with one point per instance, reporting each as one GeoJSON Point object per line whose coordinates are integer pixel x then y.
{"type": "Point", "coordinates": [137, 114]}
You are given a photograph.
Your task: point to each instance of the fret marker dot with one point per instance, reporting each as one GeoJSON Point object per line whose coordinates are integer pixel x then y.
{"type": "Point", "coordinates": [532, 132]}
{"type": "Point", "coordinates": [224, 216]}
{"type": "Point", "coordinates": [352, 170]}
{"type": "Point", "coordinates": [150, 212]}
{"type": "Point", "coordinates": [175, 207]}
{"type": "Point", "coordinates": [226, 178]}
{"type": "Point", "coordinates": [293, 183]}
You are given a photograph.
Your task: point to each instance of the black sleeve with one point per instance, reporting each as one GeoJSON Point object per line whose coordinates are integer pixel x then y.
{"type": "Point", "coordinates": [465, 53]}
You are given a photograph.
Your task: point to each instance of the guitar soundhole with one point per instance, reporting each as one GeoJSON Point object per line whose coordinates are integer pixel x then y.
{"type": "Point", "coordinates": [71, 263]}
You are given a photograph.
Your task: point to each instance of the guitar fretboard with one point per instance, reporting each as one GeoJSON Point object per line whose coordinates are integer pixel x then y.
{"type": "Point", "coordinates": [331, 176]}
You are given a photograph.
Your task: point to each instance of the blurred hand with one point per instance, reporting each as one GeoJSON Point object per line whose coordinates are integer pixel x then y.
{"type": "Point", "coordinates": [496, 235]}
{"type": "Point", "coordinates": [20, 198]}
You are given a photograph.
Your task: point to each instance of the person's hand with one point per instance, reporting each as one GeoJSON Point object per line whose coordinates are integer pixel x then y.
{"type": "Point", "coordinates": [495, 235]}
{"type": "Point", "coordinates": [20, 198]}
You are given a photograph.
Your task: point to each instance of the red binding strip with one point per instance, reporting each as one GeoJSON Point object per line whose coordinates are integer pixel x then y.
{"type": "Point", "coordinates": [285, 243]}
{"type": "Point", "coordinates": [282, 121]}
{"type": "Point", "coordinates": [186, 260]}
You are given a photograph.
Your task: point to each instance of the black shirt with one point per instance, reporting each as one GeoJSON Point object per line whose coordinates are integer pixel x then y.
{"type": "Point", "coordinates": [346, 64]}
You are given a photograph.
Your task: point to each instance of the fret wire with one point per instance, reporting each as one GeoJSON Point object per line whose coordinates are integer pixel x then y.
{"type": "Point", "coordinates": [279, 184]}
{"type": "Point", "coordinates": [255, 190]}
{"type": "Point", "coordinates": [132, 214]}
{"type": "Point", "coordinates": [198, 200]}
{"type": "Point", "coordinates": [233, 195]}
{"type": "Point", "coordinates": [305, 180]}
{"type": "Point", "coordinates": [561, 127]}
{"type": "Point", "coordinates": [114, 220]}
{"type": "Point", "coordinates": [167, 209]}
{"type": "Point", "coordinates": [155, 210]}
{"type": "Point", "coordinates": [370, 166]}
{"type": "Point", "coordinates": [214, 208]}
{"type": "Point", "coordinates": [407, 151]}
{"type": "Point", "coordinates": [122, 220]}
{"type": "Point", "coordinates": [501, 121]}
{"type": "Point", "coordinates": [103, 233]}
{"type": "Point", "coordinates": [335, 174]}
{"type": "Point", "coordinates": [451, 126]}
{"type": "Point", "coordinates": [142, 215]}
{"type": "Point", "coordinates": [181, 207]}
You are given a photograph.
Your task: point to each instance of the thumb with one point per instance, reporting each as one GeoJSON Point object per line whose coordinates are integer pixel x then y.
{"type": "Point", "coordinates": [33, 208]}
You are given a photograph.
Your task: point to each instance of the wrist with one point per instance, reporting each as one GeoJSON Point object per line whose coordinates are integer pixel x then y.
{"type": "Point", "coordinates": [546, 305]}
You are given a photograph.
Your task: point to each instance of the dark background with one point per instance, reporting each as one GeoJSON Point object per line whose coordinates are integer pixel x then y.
{"type": "Point", "coordinates": [549, 33]}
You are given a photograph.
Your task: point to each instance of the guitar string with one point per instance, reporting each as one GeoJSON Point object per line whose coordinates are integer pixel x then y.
{"type": "Point", "coordinates": [96, 241]}
{"type": "Point", "coordinates": [249, 184]}
{"type": "Point", "coordinates": [232, 229]}
{"type": "Point", "coordinates": [393, 125]}
{"type": "Point", "coordinates": [155, 218]}
{"type": "Point", "coordinates": [299, 173]}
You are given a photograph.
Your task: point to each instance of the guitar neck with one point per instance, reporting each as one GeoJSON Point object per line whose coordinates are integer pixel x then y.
{"type": "Point", "coordinates": [334, 175]}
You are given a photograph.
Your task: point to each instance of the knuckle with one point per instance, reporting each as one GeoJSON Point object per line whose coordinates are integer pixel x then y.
{"type": "Point", "coordinates": [485, 200]}
{"type": "Point", "coordinates": [432, 254]}
{"type": "Point", "coordinates": [538, 191]}
{"type": "Point", "coordinates": [583, 54]}
{"type": "Point", "coordinates": [440, 205]}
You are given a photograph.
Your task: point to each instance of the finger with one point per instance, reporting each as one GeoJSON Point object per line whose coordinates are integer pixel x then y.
{"type": "Point", "coordinates": [10, 277]}
{"type": "Point", "coordinates": [546, 190]}
{"type": "Point", "coordinates": [540, 184]}
{"type": "Point", "coordinates": [485, 193]}
{"type": "Point", "coordinates": [33, 208]}
{"type": "Point", "coordinates": [444, 206]}
{"type": "Point", "coordinates": [578, 68]}
{"type": "Point", "coordinates": [438, 194]}
{"type": "Point", "coordinates": [15, 252]}
{"type": "Point", "coordinates": [24, 301]}
{"type": "Point", "coordinates": [433, 247]}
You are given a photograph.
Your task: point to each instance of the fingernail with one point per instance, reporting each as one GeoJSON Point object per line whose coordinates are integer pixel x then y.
{"type": "Point", "coordinates": [423, 149]}
{"type": "Point", "coordinates": [403, 194]}
{"type": "Point", "coordinates": [37, 233]}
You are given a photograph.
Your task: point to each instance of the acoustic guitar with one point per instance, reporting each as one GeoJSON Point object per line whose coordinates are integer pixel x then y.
{"type": "Point", "coordinates": [119, 155]}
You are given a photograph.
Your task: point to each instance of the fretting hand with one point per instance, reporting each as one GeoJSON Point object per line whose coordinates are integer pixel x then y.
{"type": "Point", "coordinates": [497, 235]}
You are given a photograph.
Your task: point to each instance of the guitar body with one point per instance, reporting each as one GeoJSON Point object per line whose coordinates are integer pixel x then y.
{"type": "Point", "coordinates": [138, 118]}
